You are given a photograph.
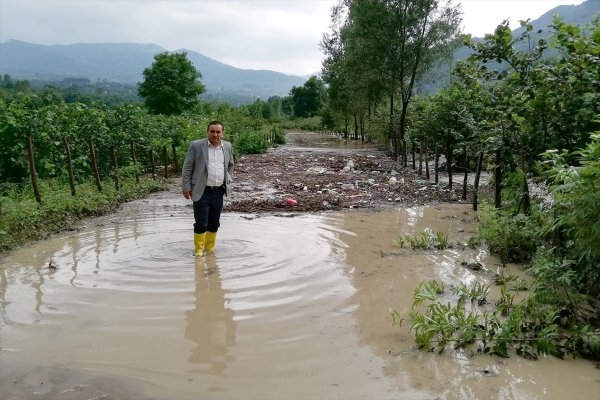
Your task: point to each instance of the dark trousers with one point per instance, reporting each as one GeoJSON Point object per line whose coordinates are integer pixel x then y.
{"type": "Point", "coordinates": [207, 211]}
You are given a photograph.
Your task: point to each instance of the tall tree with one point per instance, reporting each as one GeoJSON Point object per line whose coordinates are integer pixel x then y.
{"type": "Point", "coordinates": [171, 85]}
{"type": "Point", "coordinates": [390, 44]}
{"type": "Point", "coordinates": [309, 98]}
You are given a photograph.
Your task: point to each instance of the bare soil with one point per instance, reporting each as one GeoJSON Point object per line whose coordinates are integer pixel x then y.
{"type": "Point", "coordinates": [315, 180]}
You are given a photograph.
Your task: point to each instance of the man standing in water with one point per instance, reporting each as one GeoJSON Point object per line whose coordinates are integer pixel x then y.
{"type": "Point", "coordinates": [205, 178]}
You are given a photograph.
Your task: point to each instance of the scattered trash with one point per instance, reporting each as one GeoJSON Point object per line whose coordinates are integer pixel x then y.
{"type": "Point", "coordinates": [272, 200]}
{"type": "Point", "coordinates": [349, 166]}
{"type": "Point", "coordinates": [291, 202]}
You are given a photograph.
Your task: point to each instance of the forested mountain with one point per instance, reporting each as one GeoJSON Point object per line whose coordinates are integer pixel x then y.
{"type": "Point", "coordinates": [124, 63]}
{"type": "Point", "coordinates": [580, 14]}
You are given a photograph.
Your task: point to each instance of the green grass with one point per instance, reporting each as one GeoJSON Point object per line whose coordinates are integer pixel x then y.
{"type": "Point", "coordinates": [23, 220]}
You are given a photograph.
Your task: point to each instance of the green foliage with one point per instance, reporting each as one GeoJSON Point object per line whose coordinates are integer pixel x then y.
{"type": "Point", "coordinates": [426, 240]}
{"type": "Point", "coordinates": [23, 220]}
{"type": "Point", "coordinates": [462, 320]}
{"type": "Point", "coordinates": [513, 238]}
{"type": "Point", "coordinates": [250, 143]}
{"type": "Point", "coordinates": [564, 232]}
{"type": "Point", "coordinates": [308, 99]}
{"type": "Point", "coordinates": [312, 124]}
{"type": "Point", "coordinates": [171, 84]}
{"type": "Point", "coordinates": [369, 63]}
{"type": "Point", "coordinates": [121, 130]}
{"type": "Point", "coordinates": [278, 135]}
{"type": "Point", "coordinates": [576, 190]}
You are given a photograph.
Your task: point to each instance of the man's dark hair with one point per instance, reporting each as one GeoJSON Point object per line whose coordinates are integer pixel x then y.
{"type": "Point", "coordinates": [214, 122]}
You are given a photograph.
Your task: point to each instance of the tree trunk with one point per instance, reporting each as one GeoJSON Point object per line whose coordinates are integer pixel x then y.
{"type": "Point", "coordinates": [152, 164]}
{"type": "Point", "coordinates": [134, 160]}
{"type": "Point", "coordinates": [113, 154]}
{"type": "Point", "coordinates": [498, 180]}
{"type": "Point", "coordinates": [466, 177]}
{"type": "Point", "coordinates": [166, 161]}
{"type": "Point", "coordinates": [449, 156]}
{"type": "Point", "coordinates": [476, 183]}
{"type": "Point", "coordinates": [70, 166]}
{"type": "Point", "coordinates": [95, 165]}
{"type": "Point", "coordinates": [346, 128]}
{"type": "Point", "coordinates": [436, 167]}
{"type": "Point", "coordinates": [403, 114]}
{"type": "Point", "coordinates": [362, 128]}
{"type": "Point", "coordinates": [32, 172]}
{"type": "Point", "coordinates": [420, 158]}
{"type": "Point", "coordinates": [426, 146]}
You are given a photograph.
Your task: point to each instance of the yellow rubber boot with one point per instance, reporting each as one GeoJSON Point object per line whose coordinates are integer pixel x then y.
{"type": "Point", "coordinates": [199, 242]}
{"type": "Point", "coordinates": [211, 240]}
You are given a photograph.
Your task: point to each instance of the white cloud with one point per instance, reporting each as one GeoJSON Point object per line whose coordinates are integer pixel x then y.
{"type": "Point", "coordinates": [280, 35]}
{"type": "Point", "coordinates": [482, 16]}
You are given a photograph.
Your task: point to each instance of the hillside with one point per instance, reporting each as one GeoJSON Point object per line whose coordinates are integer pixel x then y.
{"type": "Point", "coordinates": [125, 62]}
{"type": "Point", "coordinates": [581, 15]}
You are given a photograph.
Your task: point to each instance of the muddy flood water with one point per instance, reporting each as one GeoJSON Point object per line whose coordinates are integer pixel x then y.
{"type": "Point", "coordinates": [291, 306]}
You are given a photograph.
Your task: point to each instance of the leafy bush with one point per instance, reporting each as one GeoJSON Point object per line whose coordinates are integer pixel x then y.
{"type": "Point", "coordinates": [576, 190]}
{"type": "Point", "coordinates": [312, 124]}
{"type": "Point", "coordinates": [278, 135]}
{"type": "Point", "coordinates": [513, 238]}
{"type": "Point", "coordinates": [530, 328]}
{"type": "Point", "coordinates": [250, 143]}
{"type": "Point", "coordinates": [23, 220]}
{"type": "Point", "coordinates": [426, 240]}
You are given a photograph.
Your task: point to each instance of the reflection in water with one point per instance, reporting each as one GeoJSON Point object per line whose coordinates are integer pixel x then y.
{"type": "Point", "coordinates": [210, 324]}
{"type": "Point", "coordinates": [295, 306]}
{"type": "Point", "coordinates": [389, 278]}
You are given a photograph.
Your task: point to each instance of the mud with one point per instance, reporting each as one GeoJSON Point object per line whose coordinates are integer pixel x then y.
{"type": "Point", "coordinates": [293, 305]}
{"type": "Point", "coordinates": [326, 173]}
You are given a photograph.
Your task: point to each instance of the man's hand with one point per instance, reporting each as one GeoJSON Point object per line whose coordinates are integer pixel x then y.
{"type": "Point", "coordinates": [187, 195]}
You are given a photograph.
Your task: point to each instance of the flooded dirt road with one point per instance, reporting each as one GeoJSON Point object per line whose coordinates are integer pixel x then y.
{"type": "Point", "coordinates": [291, 306]}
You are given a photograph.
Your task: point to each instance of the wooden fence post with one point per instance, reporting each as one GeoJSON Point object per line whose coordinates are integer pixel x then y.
{"type": "Point", "coordinates": [95, 165]}
{"type": "Point", "coordinates": [113, 154]}
{"type": "Point", "coordinates": [476, 183]}
{"type": "Point", "coordinates": [134, 158]}
{"type": "Point", "coordinates": [32, 172]}
{"type": "Point", "coordinates": [166, 161]}
{"type": "Point", "coordinates": [426, 146]}
{"type": "Point", "coordinates": [70, 166]}
{"type": "Point", "coordinates": [152, 164]}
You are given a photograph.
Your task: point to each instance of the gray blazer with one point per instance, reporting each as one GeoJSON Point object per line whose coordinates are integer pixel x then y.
{"type": "Point", "coordinates": [194, 173]}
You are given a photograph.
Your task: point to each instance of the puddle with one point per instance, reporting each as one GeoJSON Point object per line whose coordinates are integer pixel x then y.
{"type": "Point", "coordinates": [293, 307]}
{"type": "Point", "coordinates": [289, 307]}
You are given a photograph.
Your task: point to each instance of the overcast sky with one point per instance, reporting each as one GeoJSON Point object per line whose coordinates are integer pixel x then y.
{"type": "Point", "coordinates": [279, 35]}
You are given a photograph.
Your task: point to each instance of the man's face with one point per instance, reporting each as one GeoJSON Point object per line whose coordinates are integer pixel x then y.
{"type": "Point", "coordinates": [215, 134]}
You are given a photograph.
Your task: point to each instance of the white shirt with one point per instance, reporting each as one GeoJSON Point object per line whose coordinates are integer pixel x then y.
{"type": "Point", "coordinates": [216, 165]}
